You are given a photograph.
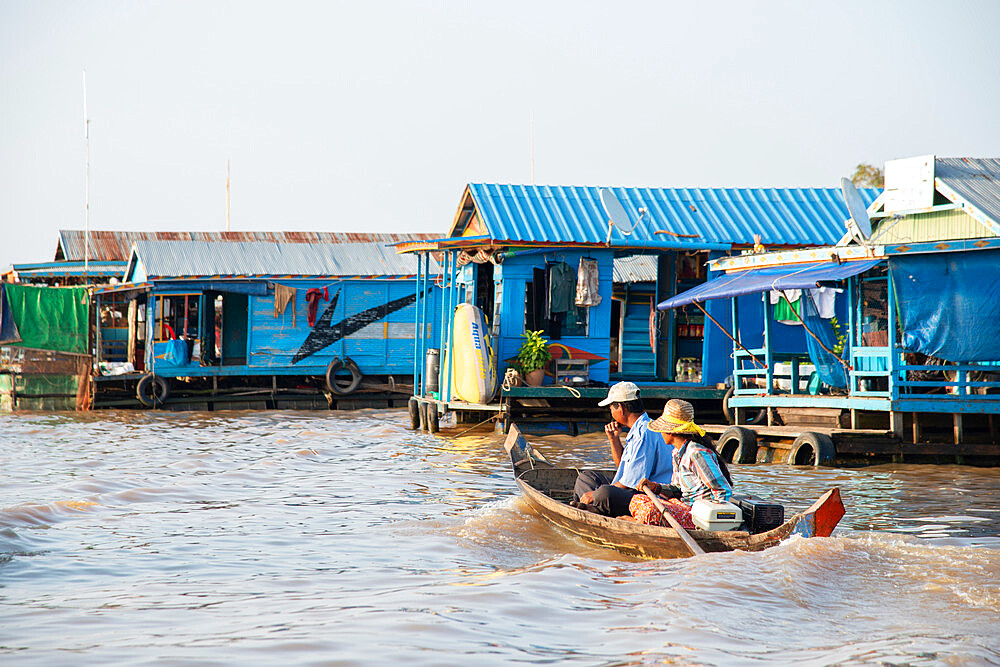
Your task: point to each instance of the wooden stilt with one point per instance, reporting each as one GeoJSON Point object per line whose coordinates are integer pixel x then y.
{"type": "Point", "coordinates": [896, 423]}
{"type": "Point", "coordinates": [959, 428]}
{"type": "Point", "coordinates": [854, 418]}
{"type": "Point", "coordinates": [917, 431]}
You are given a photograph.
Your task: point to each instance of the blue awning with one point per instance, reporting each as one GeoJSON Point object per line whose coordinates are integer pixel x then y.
{"type": "Point", "coordinates": [795, 276]}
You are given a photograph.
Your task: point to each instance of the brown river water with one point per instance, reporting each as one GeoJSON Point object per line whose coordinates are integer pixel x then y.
{"type": "Point", "coordinates": [345, 538]}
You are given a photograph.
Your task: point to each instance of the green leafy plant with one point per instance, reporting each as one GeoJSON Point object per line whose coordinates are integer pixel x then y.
{"type": "Point", "coordinates": [841, 336]}
{"type": "Point", "coordinates": [534, 352]}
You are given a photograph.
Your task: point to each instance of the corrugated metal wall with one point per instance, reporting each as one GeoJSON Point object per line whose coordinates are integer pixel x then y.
{"type": "Point", "coordinates": [935, 226]}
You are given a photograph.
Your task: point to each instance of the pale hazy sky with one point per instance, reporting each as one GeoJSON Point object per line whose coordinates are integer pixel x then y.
{"type": "Point", "coordinates": [372, 116]}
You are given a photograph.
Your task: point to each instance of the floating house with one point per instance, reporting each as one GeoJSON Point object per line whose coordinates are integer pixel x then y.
{"type": "Point", "coordinates": [278, 324]}
{"type": "Point", "coordinates": [910, 360]}
{"type": "Point", "coordinates": [526, 254]}
{"type": "Point", "coordinates": [111, 344]}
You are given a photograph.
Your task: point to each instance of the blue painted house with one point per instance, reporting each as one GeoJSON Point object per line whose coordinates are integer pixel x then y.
{"type": "Point", "coordinates": [326, 313]}
{"type": "Point", "coordinates": [918, 319]}
{"type": "Point", "coordinates": [510, 249]}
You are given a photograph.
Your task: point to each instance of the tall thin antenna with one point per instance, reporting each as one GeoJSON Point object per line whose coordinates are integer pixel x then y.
{"type": "Point", "coordinates": [227, 195]}
{"type": "Point", "coordinates": [86, 201]}
{"type": "Point", "coordinates": [531, 132]}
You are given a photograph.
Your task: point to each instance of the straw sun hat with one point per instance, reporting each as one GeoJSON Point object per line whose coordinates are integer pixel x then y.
{"type": "Point", "coordinates": [678, 417]}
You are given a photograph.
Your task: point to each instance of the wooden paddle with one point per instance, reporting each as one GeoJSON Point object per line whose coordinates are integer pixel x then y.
{"type": "Point", "coordinates": [688, 540]}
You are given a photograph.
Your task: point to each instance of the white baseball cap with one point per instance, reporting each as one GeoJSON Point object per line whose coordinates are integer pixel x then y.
{"type": "Point", "coordinates": [622, 392]}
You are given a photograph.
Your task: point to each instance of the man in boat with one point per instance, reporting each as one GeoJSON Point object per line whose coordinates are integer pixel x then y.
{"type": "Point", "coordinates": [644, 455]}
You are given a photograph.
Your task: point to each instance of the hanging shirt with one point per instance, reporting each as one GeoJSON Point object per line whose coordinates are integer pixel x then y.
{"type": "Point", "coordinates": [825, 299]}
{"type": "Point", "coordinates": [646, 455]}
{"type": "Point", "coordinates": [588, 283]}
{"type": "Point", "coordinates": [562, 283]}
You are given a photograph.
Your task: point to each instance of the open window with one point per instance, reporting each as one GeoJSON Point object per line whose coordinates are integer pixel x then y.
{"type": "Point", "coordinates": [550, 303]}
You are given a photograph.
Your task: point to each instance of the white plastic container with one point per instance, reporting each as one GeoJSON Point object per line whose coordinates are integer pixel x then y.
{"type": "Point", "coordinates": [710, 515]}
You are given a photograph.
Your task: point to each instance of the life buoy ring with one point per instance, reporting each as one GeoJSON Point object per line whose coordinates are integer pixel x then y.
{"type": "Point", "coordinates": [812, 449]}
{"type": "Point", "coordinates": [152, 390]}
{"type": "Point", "coordinates": [738, 444]}
{"type": "Point", "coordinates": [340, 386]}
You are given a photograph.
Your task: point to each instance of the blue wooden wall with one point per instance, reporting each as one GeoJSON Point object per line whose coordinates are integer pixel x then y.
{"type": "Point", "coordinates": [516, 271]}
{"type": "Point", "coordinates": [378, 317]}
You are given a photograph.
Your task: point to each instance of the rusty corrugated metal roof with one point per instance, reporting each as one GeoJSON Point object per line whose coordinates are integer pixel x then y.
{"type": "Point", "coordinates": [188, 259]}
{"type": "Point", "coordinates": [116, 245]}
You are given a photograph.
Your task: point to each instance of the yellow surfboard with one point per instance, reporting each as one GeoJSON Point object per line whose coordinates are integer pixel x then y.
{"type": "Point", "coordinates": [473, 370]}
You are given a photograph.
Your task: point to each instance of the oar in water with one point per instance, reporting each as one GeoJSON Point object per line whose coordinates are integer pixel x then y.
{"type": "Point", "coordinates": [688, 540]}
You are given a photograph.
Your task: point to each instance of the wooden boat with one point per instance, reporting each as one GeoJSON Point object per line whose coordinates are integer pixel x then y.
{"type": "Point", "coordinates": [548, 490]}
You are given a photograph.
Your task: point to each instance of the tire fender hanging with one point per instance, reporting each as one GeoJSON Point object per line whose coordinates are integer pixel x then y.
{"type": "Point", "coordinates": [338, 365]}
{"type": "Point", "coordinates": [152, 390]}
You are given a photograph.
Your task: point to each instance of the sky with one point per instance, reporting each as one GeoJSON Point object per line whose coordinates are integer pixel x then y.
{"type": "Point", "coordinates": [373, 116]}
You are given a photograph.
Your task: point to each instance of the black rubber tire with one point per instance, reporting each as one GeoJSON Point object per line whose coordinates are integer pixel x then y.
{"type": "Point", "coordinates": [336, 386]}
{"type": "Point", "coordinates": [812, 449]}
{"type": "Point", "coordinates": [730, 413]}
{"type": "Point", "coordinates": [152, 390]}
{"type": "Point", "coordinates": [413, 406]}
{"type": "Point", "coordinates": [738, 444]}
{"type": "Point", "coordinates": [433, 418]}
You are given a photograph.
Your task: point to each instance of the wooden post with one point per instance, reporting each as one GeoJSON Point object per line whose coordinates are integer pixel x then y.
{"type": "Point", "coordinates": [958, 428]}
{"type": "Point", "coordinates": [896, 423]}
{"type": "Point", "coordinates": [854, 418]}
{"type": "Point", "coordinates": [917, 431]}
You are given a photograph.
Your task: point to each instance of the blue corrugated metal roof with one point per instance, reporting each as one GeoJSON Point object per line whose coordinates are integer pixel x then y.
{"type": "Point", "coordinates": [557, 214]}
{"type": "Point", "coordinates": [161, 259]}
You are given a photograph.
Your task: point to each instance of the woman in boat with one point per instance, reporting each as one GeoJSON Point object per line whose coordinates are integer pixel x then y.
{"type": "Point", "coordinates": [699, 471]}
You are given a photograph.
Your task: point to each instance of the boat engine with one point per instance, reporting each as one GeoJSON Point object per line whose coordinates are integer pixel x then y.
{"type": "Point", "coordinates": [712, 515]}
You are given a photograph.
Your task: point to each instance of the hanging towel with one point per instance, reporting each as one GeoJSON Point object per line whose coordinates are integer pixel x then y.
{"type": "Point", "coordinates": [826, 300]}
{"type": "Point", "coordinates": [282, 296]}
{"type": "Point", "coordinates": [313, 296]}
{"type": "Point", "coordinates": [587, 283]}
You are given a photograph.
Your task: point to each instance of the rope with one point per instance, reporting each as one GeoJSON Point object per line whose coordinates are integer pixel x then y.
{"type": "Point", "coordinates": [488, 419]}
{"type": "Point", "coordinates": [739, 344]}
{"type": "Point", "coordinates": [805, 295]}
{"type": "Point", "coordinates": [572, 390]}
{"type": "Point", "coordinates": [510, 379]}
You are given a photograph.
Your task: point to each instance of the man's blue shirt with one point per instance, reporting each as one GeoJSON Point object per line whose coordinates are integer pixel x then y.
{"type": "Point", "coordinates": [646, 455]}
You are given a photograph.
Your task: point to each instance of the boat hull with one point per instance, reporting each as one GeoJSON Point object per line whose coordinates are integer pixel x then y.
{"type": "Point", "coordinates": [547, 489]}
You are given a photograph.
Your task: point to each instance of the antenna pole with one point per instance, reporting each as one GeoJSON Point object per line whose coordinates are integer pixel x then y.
{"type": "Point", "coordinates": [531, 133]}
{"type": "Point", "coordinates": [86, 200]}
{"type": "Point", "coordinates": [227, 195]}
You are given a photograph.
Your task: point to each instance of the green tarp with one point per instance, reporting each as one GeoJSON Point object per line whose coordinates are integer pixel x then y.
{"type": "Point", "coordinates": [49, 318]}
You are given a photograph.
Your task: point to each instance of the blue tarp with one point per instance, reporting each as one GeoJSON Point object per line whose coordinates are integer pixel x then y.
{"type": "Point", "coordinates": [797, 276]}
{"type": "Point", "coordinates": [949, 304]}
{"type": "Point", "coordinates": [8, 327]}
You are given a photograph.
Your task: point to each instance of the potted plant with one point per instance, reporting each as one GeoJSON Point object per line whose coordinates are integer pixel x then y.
{"type": "Point", "coordinates": [532, 357]}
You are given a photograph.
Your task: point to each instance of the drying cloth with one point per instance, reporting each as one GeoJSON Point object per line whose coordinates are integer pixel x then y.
{"type": "Point", "coordinates": [792, 294]}
{"type": "Point", "coordinates": [786, 311]}
{"type": "Point", "coordinates": [562, 283]}
{"type": "Point", "coordinates": [313, 296]}
{"type": "Point", "coordinates": [282, 296]}
{"type": "Point", "coordinates": [587, 283]}
{"type": "Point", "coordinates": [826, 300]}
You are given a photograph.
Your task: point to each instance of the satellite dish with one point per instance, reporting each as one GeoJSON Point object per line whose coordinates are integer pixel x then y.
{"type": "Point", "coordinates": [617, 217]}
{"type": "Point", "coordinates": [856, 207]}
